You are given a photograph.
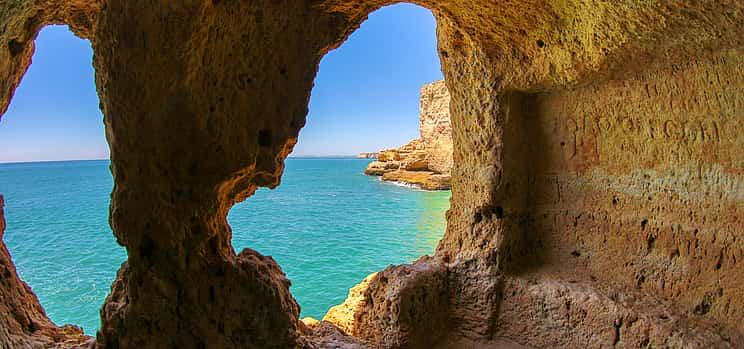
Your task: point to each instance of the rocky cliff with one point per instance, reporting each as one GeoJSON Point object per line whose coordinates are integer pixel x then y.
{"type": "Point", "coordinates": [425, 161]}
{"type": "Point", "coordinates": [435, 127]}
{"type": "Point", "coordinates": [597, 185]}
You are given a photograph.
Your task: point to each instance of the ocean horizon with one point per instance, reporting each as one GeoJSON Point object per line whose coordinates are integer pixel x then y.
{"type": "Point", "coordinates": [328, 225]}
{"type": "Point", "coordinates": [340, 156]}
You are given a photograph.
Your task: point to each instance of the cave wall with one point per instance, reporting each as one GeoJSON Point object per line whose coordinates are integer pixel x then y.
{"type": "Point", "coordinates": [639, 182]}
{"type": "Point", "coordinates": [635, 189]}
{"type": "Point", "coordinates": [204, 100]}
{"type": "Point", "coordinates": [435, 126]}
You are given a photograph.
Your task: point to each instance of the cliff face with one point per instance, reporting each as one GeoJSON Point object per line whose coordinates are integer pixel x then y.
{"type": "Point", "coordinates": [597, 185]}
{"type": "Point", "coordinates": [436, 127]}
{"type": "Point", "coordinates": [425, 161]}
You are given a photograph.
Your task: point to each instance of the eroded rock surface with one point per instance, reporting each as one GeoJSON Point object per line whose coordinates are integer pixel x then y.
{"type": "Point", "coordinates": [596, 186]}
{"type": "Point", "coordinates": [435, 127]}
{"type": "Point", "coordinates": [425, 161]}
{"type": "Point", "coordinates": [400, 307]}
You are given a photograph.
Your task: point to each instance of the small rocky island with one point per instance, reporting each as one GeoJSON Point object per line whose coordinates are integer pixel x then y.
{"type": "Point", "coordinates": [425, 161]}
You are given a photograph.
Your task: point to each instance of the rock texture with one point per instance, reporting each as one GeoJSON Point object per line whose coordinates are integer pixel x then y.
{"type": "Point", "coordinates": [400, 307]}
{"type": "Point", "coordinates": [596, 188]}
{"type": "Point", "coordinates": [435, 127]}
{"type": "Point", "coordinates": [23, 322]}
{"type": "Point", "coordinates": [425, 161]}
{"type": "Point", "coordinates": [425, 179]}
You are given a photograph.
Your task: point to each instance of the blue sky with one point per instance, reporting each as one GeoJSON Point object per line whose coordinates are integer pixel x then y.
{"type": "Point", "coordinates": [365, 96]}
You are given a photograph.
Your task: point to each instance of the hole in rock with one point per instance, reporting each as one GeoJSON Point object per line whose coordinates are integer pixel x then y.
{"type": "Point", "coordinates": [328, 224]}
{"type": "Point", "coordinates": [478, 217]}
{"type": "Point", "coordinates": [57, 209]}
{"type": "Point", "coordinates": [499, 211]}
{"type": "Point", "coordinates": [650, 242]}
{"type": "Point", "coordinates": [15, 47]}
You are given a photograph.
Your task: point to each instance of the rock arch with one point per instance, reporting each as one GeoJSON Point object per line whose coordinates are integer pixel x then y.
{"type": "Point", "coordinates": [545, 242]}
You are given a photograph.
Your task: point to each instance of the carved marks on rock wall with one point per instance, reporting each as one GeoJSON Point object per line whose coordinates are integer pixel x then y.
{"type": "Point", "coordinates": [642, 180]}
{"type": "Point", "coordinates": [678, 129]}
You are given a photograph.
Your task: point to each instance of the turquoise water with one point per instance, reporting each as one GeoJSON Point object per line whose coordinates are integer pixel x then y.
{"type": "Point", "coordinates": [327, 225]}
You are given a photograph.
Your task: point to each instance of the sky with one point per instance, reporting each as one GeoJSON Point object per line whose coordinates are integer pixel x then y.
{"type": "Point", "coordinates": [366, 94]}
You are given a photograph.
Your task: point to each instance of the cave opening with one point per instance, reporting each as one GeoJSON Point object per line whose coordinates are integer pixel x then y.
{"type": "Point", "coordinates": [328, 224]}
{"type": "Point", "coordinates": [56, 183]}
{"type": "Point", "coordinates": [535, 163]}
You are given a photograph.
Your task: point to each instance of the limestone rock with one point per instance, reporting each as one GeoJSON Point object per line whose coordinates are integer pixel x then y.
{"type": "Point", "coordinates": [325, 335]}
{"type": "Point", "coordinates": [400, 307]}
{"type": "Point", "coordinates": [599, 139]}
{"type": "Point", "coordinates": [438, 181]}
{"type": "Point", "coordinates": [595, 316]}
{"type": "Point", "coordinates": [310, 322]}
{"type": "Point", "coordinates": [428, 156]}
{"type": "Point", "coordinates": [436, 127]}
{"type": "Point", "coordinates": [379, 168]}
{"type": "Point", "coordinates": [343, 315]}
{"type": "Point", "coordinates": [425, 179]}
{"type": "Point", "coordinates": [412, 177]}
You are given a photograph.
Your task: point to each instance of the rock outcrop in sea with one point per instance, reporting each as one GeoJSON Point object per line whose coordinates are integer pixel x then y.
{"type": "Point", "coordinates": [424, 161]}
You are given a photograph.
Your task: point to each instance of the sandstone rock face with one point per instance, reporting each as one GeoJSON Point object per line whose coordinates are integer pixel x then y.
{"type": "Point", "coordinates": [425, 179]}
{"type": "Point", "coordinates": [400, 307]}
{"type": "Point", "coordinates": [435, 127]}
{"type": "Point", "coordinates": [326, 335]}
{"type": "Point", "coordinates": [425, 161]}
{"type": "Point", "coordinates": [344, 315]}
{"type": "Point", "coordinates": [597, 186]}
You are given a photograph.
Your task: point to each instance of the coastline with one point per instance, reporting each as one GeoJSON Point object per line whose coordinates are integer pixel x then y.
{"type": "Point", "coordinates": [414, 186]}
{"type": "Point", "coordinates": [330, 157]}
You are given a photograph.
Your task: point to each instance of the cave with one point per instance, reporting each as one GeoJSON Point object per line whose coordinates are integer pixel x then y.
{"type": "Point", "coordinates": [596, 191]}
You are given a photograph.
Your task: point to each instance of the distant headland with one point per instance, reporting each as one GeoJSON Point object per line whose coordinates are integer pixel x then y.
{"type": "Point", "coordinates": [367, 155]}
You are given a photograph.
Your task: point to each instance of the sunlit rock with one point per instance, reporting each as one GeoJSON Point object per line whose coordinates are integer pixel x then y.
{"type": "Point", "coordinates": [425, 161]}
{"type": "Point", "coordinates": [596, 183]}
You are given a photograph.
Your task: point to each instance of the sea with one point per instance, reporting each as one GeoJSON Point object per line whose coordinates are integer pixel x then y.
{"type": "Point", "coordinates": [327, 225]}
